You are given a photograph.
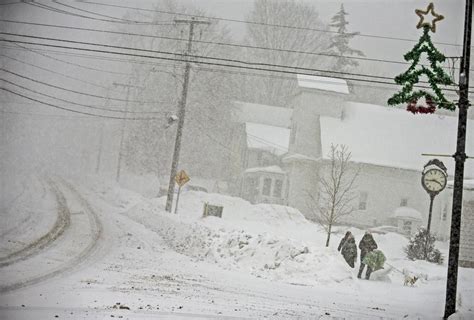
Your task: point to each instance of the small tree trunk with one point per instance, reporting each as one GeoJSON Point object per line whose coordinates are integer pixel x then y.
{"type": "Point", "coordinates": [329, 235]}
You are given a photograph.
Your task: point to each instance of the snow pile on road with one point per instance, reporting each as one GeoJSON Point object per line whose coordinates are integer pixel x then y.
{"type": "Point", "coordinates": [269, 241]}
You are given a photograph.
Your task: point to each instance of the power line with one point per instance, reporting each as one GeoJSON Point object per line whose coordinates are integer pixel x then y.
{"type": "Point", "coordinates": [200, 68]}
{"type": "Point", "coordinates": [78, 104]}
{"type": "Point", "coordinates": [79, 55]}
{"type": "Point", "coordinates": [192, 56]}
{"type": "Point", "coordinates": [266, 65]}
{"type": "Point", "coordinates": [68, 62]}
{"type": "Point", "coordinates": [55, 72]}
{"type": "Point", "coordinates": [6, 4]}
{"type": "Point", "coordinates": [57, 10]}
{"type": "Point", "coordinates": [208, 42]}
{"type": "Point", "coordinates": [72, 110]}
{"type": "Point", "coordinates": [46, 115]}
{"type": "Point", "coordinates": [74, 91]}
{"type": "Point", "coordinates": [262, 23]}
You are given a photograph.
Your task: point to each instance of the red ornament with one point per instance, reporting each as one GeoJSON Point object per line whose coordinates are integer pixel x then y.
{"type": "Point", "coordinates": [413, 108]}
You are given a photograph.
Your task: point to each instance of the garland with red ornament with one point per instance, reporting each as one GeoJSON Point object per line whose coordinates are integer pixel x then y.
{"type": "Point", "coordinates": [434, 72]}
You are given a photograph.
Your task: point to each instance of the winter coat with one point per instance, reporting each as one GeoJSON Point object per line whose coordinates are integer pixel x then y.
{"type": "Point", "coordinates": [343, 240]}
{"type": "Point", "coordinates": [374, 260]}
{"type": "Point", "coordinates": [349, 251]}
{"type": "Point", "coordinates": [366, 245]}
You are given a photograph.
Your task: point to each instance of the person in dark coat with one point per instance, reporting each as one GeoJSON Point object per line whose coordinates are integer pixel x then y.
{"type": "Point", "coordinates": [349, 251]}
{"type": "Point", "coordinates": [367, 244]}
{"type": "Point", "coordinates": [339, 247]}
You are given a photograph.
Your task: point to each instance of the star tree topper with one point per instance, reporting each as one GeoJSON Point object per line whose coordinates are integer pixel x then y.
{"type": "Point", "coordinates": [432, 25]}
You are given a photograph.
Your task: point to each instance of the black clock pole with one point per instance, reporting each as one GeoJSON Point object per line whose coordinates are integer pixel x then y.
{"type": "Point", "coordinates": [460, 158]}
{"type": "Point", "coordinates": [428, 227]}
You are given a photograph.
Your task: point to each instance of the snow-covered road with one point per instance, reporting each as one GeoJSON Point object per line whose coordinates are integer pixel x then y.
{"type": "Point", "coordinates": [113, 263]}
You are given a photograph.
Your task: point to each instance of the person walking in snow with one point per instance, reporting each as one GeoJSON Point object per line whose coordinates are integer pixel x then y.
{"type": "Point", "coordinates": [349, 251]}
{"type": "Point", "coordinates": [367, 244]}
{"type": "Point", "coordinates": [348, 233]}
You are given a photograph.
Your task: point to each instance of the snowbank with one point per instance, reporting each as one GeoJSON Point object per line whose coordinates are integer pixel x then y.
{"type": "Point", "coordinates": [268, 241]}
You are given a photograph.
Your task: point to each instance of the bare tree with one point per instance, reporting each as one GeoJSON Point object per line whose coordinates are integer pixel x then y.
{"type": "Point", "coordinates": [284, 26]}
{"type": "Point", "coordinates": [336, 189]}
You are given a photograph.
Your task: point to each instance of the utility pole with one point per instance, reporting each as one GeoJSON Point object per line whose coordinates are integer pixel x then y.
{"type": "Point", "coordinates": [124, 124]}
{"type": "Point", "coordinates": [460, 158]}
{"type": "Point", "coordinates": [182, 108]}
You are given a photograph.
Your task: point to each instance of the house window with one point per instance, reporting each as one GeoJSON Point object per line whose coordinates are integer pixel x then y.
{"type": "Point", "coordinates": [277, 188]}
{"type": "Point", "coordinates": [363, 200]}
{"type": "Point", "coordinates": [267, 185]}
{"type": "Point", "coordinates": [404, 202]}
{"type": "Point", "coordinates": [445, 212]}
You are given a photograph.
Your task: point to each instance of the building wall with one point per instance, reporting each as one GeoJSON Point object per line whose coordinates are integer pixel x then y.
{"type": "Point", "coordinates": [387, 189]}
{"type": "Point", "coordinates": [466, 246]}
{"type": "Point", "coordinates": [302, 183]}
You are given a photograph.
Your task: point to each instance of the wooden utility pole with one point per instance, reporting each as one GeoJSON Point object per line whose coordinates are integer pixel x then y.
{"type": "Point", "coordinates": [182, 108]}
{"type": "Point", "coordinates": [460, 158]}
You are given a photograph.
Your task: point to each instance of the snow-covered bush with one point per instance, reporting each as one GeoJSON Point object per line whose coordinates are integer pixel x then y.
{"type": "Point", "coordinates": [421, 247]}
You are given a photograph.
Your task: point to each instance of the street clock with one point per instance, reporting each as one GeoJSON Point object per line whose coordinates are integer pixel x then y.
{"type": "Point", "coordinates": [434, 177]}
{"type": "Point", "coordinates": [433, 180]}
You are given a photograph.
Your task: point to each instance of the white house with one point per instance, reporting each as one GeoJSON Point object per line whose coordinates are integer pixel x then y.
{"type": "Point", "coordinates": [266, 132]}
{"type": "Point", "coordinates": [386, 144]}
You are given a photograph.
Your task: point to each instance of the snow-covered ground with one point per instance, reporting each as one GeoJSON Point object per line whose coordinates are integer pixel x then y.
{"type": "Point", "coordinates": [121, 255]}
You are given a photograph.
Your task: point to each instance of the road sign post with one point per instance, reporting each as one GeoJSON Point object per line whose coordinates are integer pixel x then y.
{"type": "Point", "coordinates": [181, 179]}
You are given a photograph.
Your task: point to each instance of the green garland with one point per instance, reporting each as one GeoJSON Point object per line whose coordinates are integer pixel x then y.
{"type": "Point", "coordinates": [436, 76]}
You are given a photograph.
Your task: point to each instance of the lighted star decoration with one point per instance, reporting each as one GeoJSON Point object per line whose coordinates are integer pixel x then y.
{"type": "Point", "coordinates": [422, 13]}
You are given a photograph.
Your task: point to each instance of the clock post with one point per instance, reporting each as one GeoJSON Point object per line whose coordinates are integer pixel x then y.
{"type": "Point", "coordinates": [433, 180]}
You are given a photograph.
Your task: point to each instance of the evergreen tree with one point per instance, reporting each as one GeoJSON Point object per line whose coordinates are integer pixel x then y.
{"type": "Point", "coordinates": [435, 74]}
{"type": "Point", "coordinates": [421, 247]}
{"type": "Point", "coordinates": [340, 42]}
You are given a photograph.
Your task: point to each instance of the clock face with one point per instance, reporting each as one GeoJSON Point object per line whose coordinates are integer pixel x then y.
{"type": "Point", "coordinates": [434, 180]}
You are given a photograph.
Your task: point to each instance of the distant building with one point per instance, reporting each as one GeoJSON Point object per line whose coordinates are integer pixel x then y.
{"type": "Point", "coordinates": [265, 133]}
{"type": "Point", "coordinates": [386, 143]}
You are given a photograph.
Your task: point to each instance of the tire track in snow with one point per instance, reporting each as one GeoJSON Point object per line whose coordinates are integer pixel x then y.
{"type": "Point", "coordinates": [63, 221]}
{"type": "Point", "coordinates": [95, 234]}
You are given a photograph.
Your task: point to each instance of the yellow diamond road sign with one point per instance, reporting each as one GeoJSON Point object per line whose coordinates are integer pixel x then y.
{"type": "Point", "coordinates": [181, 178]}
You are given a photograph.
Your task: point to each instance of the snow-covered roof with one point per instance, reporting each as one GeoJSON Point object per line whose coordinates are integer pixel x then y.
{"type": "Point", "coordinates": [299, 157]}
{"type": "Point", "coordinates": [264, 114]}
{"type": "Point", "coordinates": [270, 169]}
{"type": "Point", "coordinates": [323, 83]}
{"type": "Point", "coordinates": [270, 138]}
{"type": "Point", "coordinates": [407, 213]}
{"type": "Point", "coordinates": [394, 137]}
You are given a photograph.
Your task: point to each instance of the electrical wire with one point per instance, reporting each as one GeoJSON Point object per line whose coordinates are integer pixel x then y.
{"type": "Point", "coordinates": [72, 110]}
{"type": "Point", "coordinates": [74, 91]}
{"type": "Point", "coordinates": [65, 12]}
{"type": "Point", "coordinates": [262, 23]}
{"type": "Point", "coordinates": [80, 104]}
{"type": "Point", "coordinates": [219, 64]}
{"type": "Point", "coordinates": [211, 42]}
{"type": "Point", "coordinates": [67, 62]}
{"type": "Point", "coordinates": [264, 64]}
{"type": "Point", "coordinates": [54, 72]}
{"type": "Point", "coordinates": [199, 68]}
